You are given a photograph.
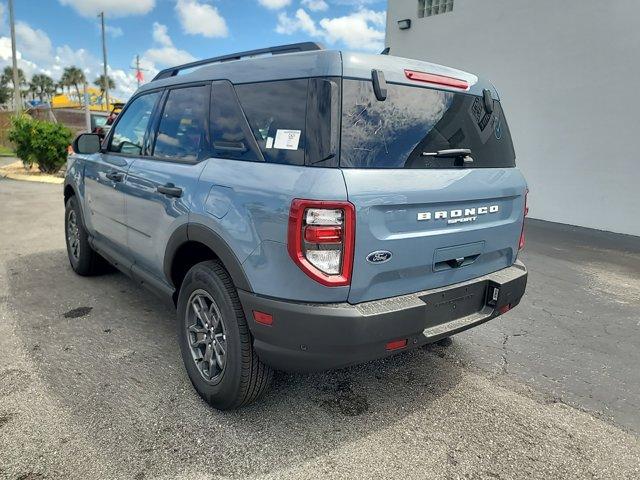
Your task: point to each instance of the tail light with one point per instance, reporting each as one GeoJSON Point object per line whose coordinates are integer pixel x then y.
{"type": "Point", "coordinates": [321, 239]}
{"type": "Point", "coordinates": [526, 212]}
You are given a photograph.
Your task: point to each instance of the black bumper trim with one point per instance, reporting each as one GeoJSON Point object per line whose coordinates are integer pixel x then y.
{"type": "Point", "coordinates": [312, 337]}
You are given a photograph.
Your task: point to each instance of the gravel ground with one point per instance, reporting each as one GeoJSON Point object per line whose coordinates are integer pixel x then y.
{"type": "Point", "coordinates": [92, 385]}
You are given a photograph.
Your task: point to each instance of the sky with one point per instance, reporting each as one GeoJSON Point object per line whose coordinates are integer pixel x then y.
{"type": "Point", "coordinates": [54, 34]}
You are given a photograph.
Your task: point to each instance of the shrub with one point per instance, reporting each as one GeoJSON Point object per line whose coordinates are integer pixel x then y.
{"type": "Point", "coordinates": [21, 133]}
{"type": "Point", "coordinates": [40, 142]}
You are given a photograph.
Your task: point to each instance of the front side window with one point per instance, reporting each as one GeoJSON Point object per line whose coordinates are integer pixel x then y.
{"type": "Point", "coordinates": [183, 132]}
{"type": "Point", "coordinates": [129, 132]}
{"type": "Point", "coordinates": [276, 112]}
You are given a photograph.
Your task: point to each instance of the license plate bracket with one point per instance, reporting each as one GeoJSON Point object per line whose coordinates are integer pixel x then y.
{"type": "Point", "coordinates": [455, 303]}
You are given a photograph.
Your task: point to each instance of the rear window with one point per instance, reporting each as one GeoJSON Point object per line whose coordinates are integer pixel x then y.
{"type": "Point", "coordinates": [276, 112]}
{"type": "Point", "coordinates": [232, 138]}
{"type": "Point", "coordinates": [394, 133]}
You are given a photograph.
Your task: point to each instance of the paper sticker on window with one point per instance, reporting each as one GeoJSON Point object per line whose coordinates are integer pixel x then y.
{"type": "Point", "coordinates": [269, 143]}
{"type": "Point", "coordinates": [287, 139]}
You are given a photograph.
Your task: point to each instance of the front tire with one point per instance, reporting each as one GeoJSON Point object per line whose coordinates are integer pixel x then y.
{"type": "Point", "coordinates": [215, 340]}
{"type": "Point", "coordinates": [84, 260]}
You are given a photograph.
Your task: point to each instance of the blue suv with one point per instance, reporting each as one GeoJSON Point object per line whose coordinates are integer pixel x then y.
{"type": "Point", "coordinates": [304, 209]}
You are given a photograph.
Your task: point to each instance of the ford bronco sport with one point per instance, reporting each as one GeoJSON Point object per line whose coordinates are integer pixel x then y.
{"type": "Point", "coordinates": [304, 209]}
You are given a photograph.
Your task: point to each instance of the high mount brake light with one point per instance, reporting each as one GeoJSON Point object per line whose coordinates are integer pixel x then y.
{"type": "Point", "coordinates": [321, 239]}
{"type": "Point", "coordinates": [437, 79]}
{"type": "Point", "coordinates": [526, 212]}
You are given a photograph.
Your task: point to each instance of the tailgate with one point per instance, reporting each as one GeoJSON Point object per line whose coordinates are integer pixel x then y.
{"type": "Point", "coordinates": [440, 227]}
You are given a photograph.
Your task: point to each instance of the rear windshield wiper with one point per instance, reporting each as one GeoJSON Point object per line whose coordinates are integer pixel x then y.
{"type": "Point", "coordinates": [465, 153]}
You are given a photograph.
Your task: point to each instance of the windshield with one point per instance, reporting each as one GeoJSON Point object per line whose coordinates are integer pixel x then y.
{"type": "Point", "coordinates": [395, 132]}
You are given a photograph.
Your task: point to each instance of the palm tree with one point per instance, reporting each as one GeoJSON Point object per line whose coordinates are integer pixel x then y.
{"type": "Point", "coordinates": [7, 77]}
{"type": "Point", "coordinates": [73, 76]}
{"type": "Point", "coordinates": [42, 85]}
{"type": "Point", "coordinates": [101, 83]}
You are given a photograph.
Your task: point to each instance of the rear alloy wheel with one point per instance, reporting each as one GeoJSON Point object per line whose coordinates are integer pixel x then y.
{"type": "Point", "coordinates": [215, 341]}
{"type": "Point", "coordinates": [207, 337]}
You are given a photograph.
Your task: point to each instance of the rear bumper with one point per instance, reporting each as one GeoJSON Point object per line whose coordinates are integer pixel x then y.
{"type": "Point", "coordinates": [312, 337]}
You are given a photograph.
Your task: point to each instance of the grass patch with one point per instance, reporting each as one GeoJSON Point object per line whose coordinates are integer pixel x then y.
{"type": "Point", "coordinates": [6, 152]}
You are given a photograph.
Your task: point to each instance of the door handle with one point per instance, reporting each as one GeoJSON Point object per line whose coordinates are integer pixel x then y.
{"type": "Point", "coordinates": [115, 176]}
{"type": "Point", "coordinates": [170, 190]}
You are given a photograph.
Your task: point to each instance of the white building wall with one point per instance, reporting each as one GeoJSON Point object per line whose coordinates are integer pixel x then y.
{"type": "Point", "coordinates": [568, 73]}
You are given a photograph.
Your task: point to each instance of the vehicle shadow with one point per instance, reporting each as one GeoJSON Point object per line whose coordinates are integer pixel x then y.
{"type": "Point", "coordinates": [109, 342]}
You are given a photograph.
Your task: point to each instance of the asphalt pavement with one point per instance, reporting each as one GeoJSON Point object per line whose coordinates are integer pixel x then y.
{"type": "Point", "coordinates": [92, 384]}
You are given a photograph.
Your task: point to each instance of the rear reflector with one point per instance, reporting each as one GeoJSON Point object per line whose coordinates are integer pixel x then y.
{"type": "Point", "coordinates": [396, 344]}
{"type": "Point", "coordinates": [505, 308]}
{"type": "Point", "coordinates": [262, 318]}
{"type": "Point", "coordinates": [437, 79]}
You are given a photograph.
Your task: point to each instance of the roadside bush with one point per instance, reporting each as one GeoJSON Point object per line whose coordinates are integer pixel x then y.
{"type": "Point", "coordinates": [21, 133]}
{"type": "Point", "coordinates": [41, 143]}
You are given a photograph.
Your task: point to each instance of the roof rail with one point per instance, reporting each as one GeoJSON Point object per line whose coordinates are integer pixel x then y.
{"type": "Point", "coordinates": [280, 49]}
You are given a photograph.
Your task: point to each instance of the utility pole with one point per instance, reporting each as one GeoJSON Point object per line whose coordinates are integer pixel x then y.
{"type": "Point", "coordinates": [17, 98]}
{"type": "Point", "coordinates": [105, 78]}
{"type": "Point", "coordinates": [87, 109]}
{"type": "Point", "coordinates": [139, 74]}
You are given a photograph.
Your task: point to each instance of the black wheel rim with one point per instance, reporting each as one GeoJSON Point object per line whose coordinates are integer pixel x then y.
{"type": "Point", "coordinates": [206, 335]}
{"type": "Point", "coordinates": [73, 235]}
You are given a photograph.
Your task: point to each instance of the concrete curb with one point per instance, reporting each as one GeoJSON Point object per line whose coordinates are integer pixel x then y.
{"type": "Point", "coordinates": [5, 172]}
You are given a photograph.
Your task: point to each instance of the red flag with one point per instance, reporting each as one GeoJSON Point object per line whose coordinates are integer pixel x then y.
{"type": "Point", "coordinates": [139, 76]}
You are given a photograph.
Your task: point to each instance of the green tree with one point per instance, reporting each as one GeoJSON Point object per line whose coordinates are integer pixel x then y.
{"type": "Point", "coordinates": [5, 95]}
{"type": "Point", "coordinates": [74, 77]}
{"type": "Point", "coordinates": [7, 78]}
{"type": "Point", "coordinates": [42, 86]}
{"type": "Point", "coordinates": [100, 83]}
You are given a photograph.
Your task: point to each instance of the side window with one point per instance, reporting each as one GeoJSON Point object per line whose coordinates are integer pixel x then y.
{"type": "Point", "coordinates": [128, 134]}
{"type": "Point", "coordinates": [182, 132]}
{"type": "Point", "coordinates": [276, 112]}
{"type": "Point", "coordinates": [231, 136]}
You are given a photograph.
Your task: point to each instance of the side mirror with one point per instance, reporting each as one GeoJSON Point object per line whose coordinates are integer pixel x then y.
{"type": "Point", "coordinates": [87, 143]}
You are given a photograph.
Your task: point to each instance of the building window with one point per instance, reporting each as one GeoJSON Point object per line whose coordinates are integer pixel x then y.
{"type": "Point", "coordinates": [428, 8]}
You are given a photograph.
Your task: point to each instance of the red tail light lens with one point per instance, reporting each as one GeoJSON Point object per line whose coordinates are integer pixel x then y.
{"type": "Point", "coordinates": [321, 239]}
{"type": "Point", "coordinates": [437, 79]}
{"type": "Point", "coordinates": [329, 234]}
{"type": "Point", "coordinates": [526, 212]}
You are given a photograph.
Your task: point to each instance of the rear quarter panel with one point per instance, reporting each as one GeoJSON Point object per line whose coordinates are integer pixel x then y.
{"type": "Point", "coordinates": [247, 204]}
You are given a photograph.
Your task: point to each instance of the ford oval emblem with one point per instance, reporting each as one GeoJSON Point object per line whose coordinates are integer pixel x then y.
{"type": "Point", "coordinates": [380, 256]}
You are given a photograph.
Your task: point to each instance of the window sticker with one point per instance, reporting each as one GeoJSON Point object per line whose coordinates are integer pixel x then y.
{"type": "Point", "coordinates": [287, 139]}
{"type": "Point", "coordinates": [269, 143]}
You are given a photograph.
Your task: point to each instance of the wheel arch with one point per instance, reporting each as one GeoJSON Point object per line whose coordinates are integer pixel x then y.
{"type": "Point", "coordinates": [69, 191]}
{"type": "Point", "coordinates": [193, 243]}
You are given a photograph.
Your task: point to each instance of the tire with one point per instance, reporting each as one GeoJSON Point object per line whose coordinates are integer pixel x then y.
{"type": "Point", "coordinates": [237, 377]}
{"type": "Point", "coordinates": [84, 260]}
